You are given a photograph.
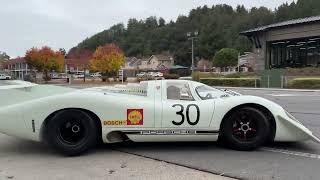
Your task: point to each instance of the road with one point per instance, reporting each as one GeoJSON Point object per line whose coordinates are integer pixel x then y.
{"type": "Point", "coordinates": [285, 161]}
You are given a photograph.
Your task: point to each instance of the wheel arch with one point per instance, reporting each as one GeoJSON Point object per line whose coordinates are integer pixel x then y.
{"type": "Point", "coordinates": [263, 109]}
{"type": "Point", "coordinates": [95, 118]}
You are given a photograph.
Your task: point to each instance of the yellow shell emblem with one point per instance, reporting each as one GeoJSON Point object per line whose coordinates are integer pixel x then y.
{"type": "Point", "coordinates": [135, 117]}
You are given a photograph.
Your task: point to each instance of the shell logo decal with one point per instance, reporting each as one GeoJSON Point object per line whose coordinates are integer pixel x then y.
{"type": "Point", "coordinates": [134, 116]}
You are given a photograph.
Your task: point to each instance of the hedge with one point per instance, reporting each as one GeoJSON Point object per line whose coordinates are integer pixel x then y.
{"type": "Point", "coordinates": [233, 82]}
{"type": "Point", "coordinates": [171, 76]}
{"type": "Point", "coordinates": [305, 83]}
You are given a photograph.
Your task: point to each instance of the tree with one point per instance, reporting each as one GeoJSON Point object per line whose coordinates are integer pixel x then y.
{"type": "Point", "coordinates": [218, 27]}
{"type": "Point", "coordinates": [107, 59]}
{"type": "Point", "coordinates": [45, 60]}
{"type": "Point", "coordinates": [4, 56]}
{"type": "Point", "coordinates": [226, 57]}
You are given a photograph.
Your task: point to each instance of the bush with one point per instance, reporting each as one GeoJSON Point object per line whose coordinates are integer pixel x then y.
{"type": "Point", "coordinates": [240, 75]}
{"type": "Point", "coordinates": [171, 76]}
{"type": "Point", "coordinates": [305, 83]}
{"type": "Point", "coordinates": [232, 82]}
{"type": "Point", "coordinates": [309, 71]}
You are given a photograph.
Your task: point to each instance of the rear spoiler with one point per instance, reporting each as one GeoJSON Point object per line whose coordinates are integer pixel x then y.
{"type": "Point", "coordinates": [16, 84]}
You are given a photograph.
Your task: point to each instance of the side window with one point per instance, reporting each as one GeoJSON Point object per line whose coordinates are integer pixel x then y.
{"type": "Point", "coordinates": [179, 91]}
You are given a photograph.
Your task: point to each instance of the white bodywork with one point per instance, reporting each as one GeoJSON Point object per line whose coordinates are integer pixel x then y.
{"type": "Point", "coordinates": [24, 108]}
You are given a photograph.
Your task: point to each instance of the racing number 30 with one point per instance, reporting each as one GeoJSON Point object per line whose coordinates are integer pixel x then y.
{"type": "Point", "coordinates": [180, 113]}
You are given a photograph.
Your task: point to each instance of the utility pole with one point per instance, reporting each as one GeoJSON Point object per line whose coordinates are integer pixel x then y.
{"type": "Point", "coordinates": [192, 37]}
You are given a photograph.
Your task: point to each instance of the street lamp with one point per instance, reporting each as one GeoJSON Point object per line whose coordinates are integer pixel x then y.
{"type": "Point", "coordinates": [192, 36]}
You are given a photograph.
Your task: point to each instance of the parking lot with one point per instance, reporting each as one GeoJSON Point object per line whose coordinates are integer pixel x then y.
{"type": "Point", "coordinates": [20, 159]}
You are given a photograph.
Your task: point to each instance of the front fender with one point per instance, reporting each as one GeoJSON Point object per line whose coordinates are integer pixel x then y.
{"type": "Point", "coordinates": [288, 129]}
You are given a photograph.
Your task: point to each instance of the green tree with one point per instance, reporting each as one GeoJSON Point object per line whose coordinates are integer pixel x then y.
{"type": "Point", "coordinates": [226, 57]}
{"type": "Point", "coordinates": [4, 56]}
{"type": "Point", "coordinates": [219, 27]}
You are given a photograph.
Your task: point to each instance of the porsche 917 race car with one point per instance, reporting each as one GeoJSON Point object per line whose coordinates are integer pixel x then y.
{"type": "Point", "coordinates": [72, 121]}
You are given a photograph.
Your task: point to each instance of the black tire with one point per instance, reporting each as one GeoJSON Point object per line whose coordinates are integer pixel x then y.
{"type": "Point", "coordinates": [245, 129]}
{"type": "Point", "coordinates": [71, 132]}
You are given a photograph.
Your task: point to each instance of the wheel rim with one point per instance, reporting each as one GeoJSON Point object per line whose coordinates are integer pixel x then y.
{"type": "Point", "coordinates": [245, 127]}
{"type": "Point", "coordinates": [72, 131]}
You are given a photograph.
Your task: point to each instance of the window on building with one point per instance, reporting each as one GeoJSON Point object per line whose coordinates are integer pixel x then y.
{"type": "Point", "coordinates": [179, 91]}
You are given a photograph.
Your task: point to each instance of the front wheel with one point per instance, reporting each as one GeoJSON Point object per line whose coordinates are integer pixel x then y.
{"type": "Point", "coordinates": [245, 129]}
{"type": "Point", "coordinates": [71, 132]}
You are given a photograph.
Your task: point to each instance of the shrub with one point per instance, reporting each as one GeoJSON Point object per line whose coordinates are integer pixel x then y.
{"type": "Point", "coordinates": [233, 82]}
{"type": "Point", "coordinates": [308, 71]}
{"type": "Point", "coordinates": [305, 83]}
{"type": "Point", "coordinates": [171, 76]}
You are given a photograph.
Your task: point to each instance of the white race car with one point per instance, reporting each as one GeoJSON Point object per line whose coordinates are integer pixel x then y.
{"type": "Point", "coordinates": [72, 121]}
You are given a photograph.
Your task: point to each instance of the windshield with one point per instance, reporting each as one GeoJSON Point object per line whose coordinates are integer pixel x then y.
{"type": "Point", "coordinates": [206, 92]}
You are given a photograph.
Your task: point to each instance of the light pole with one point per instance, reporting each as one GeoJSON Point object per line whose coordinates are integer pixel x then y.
{"type": "Point", "coordinates": [192, 37]}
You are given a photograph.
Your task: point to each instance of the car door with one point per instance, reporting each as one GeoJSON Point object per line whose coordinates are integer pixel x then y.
{"type": "Point", "coordinates": [181, 108]}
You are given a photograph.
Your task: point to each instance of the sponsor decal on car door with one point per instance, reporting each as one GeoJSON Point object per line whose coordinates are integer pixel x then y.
{"type": "Point", "coordinates": [180, 109]}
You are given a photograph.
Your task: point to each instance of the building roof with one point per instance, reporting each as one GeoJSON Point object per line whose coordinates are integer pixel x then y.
{"type": "Point", "coordinates": [300, 21]}
{"type": "Point", "coordinates": [15, 61]}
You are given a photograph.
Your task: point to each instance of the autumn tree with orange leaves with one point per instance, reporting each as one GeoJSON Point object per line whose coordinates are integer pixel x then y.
{"type": "Point", "coordinates": [45, 60]}
{"type": "Point", "coordinates": [107, 59]}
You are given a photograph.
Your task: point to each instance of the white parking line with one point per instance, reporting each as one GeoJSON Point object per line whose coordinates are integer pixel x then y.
{"type": "Point", "coordinates": [293, 153]}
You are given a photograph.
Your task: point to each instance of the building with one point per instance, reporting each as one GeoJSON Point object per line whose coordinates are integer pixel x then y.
{"type": "Point", "coordinates": [157, 62]}
{"type": "Point", "coordinates": [134, 65]}
{"type": "Point", "coordinates": [2, 65]}
{"type": "Point", "coordinates": [17, 68]}
{"type": "Point", "coordinates": [294, 43]}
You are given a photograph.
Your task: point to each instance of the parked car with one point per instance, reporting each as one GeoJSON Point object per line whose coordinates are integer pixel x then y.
{"type": "Point", "coordinates": [95, 75]}
{"type": "Point", "coordinates": [4, 77]}
{"type": "Point", "coordinates": [78, 76]}
{"type": "Point", "coordinates": [63, 76]}
{"type": "Point", "coordinates": [141, 74]}
{"type": "Point", "coordinates": [54, 76]}
{"type": "Point", "coordinates": [73, 121]}
{"type": "Point", "coordinates": [158, 74]}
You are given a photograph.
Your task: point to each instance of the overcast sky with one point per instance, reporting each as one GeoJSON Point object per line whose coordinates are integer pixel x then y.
{"type": "Point", "coordinates": [64, 23]}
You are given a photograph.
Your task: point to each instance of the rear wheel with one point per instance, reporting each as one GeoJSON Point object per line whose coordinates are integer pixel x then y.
{"type": "Point", "coordinates": [71, 132]}
{"type": "Point", "coordinates": [245, 129]}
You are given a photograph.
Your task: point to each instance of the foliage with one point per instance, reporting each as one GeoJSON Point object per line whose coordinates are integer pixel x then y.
{"type": "Point", "coordinates": [226, 57]}
{"type": "Point", "coordinates": [305, 83]}
{"type": "Point", "coordinates": [171, 76]}
{"type": "Point", "coordinates": [218, 27]}
{"type": "Point", "coordinates": [231, 82]}
{"type": "Point", "coordinates": [309, 71]}
{"type": "Point", "coordinates": [4, 56]}
{"type": "Point", "coordinates": [107, 59]}
{"type": "Point", "coordinates": [45, 60]}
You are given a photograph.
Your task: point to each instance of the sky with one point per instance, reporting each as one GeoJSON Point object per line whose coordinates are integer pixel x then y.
{"type": "Point", "coordinates": [65, 23]}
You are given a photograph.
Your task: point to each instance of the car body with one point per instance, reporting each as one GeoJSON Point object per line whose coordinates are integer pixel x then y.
{"type": "Point", "coordinates": [78, 75]}
{"type": "Point", "coordinates": [96, 75]}
{"type": "Point", "coordinates": [158, 74]}
{"type": "Point", "coordinates": [152, 111]}
{"type": "Point", "coordinates": [4, 77]}
{"type": "Point", "coordinates": [141, 74]}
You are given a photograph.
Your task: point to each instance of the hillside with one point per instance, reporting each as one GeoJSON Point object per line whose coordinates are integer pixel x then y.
{"type": "Point", "coordinates": [218, 27]}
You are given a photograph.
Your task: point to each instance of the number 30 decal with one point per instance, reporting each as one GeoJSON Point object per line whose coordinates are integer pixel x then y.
{"type": "Point", "coordinates": [180, 113]}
